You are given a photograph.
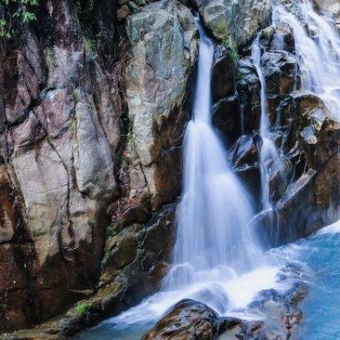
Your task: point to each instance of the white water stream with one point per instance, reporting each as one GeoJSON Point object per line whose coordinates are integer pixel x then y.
{"type": "Point", "coordinates": [269, 154]}
{"type": "Point", "coordinates": [317, 44]}
{"type": "Point", "coordinates": [213, 235]}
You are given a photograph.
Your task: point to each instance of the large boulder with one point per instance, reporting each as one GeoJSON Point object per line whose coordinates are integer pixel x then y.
{"type": "Point", "coordinates": [188, 319]}
{"type": "Point", "coordinates": [235, 21]}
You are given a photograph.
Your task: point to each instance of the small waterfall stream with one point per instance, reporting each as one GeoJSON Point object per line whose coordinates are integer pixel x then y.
{"type": "Point", "coordinates": [269, 154]}
{"type": "Point", "coordinates": [317, 44]}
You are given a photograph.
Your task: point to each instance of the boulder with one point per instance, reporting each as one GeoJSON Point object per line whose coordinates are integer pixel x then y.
{"type": "Point", "coordinates": [235, 21]}
{"type": "Point", "coordinates": [188, 319]}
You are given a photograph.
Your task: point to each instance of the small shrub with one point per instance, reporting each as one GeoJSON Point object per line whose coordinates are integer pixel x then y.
{"type": "Point", "coordinates": [233, 54]}
{"type": "Point", "coordinates": [82, 308]}
{"type": "Point", "coordinates": [14, 13]}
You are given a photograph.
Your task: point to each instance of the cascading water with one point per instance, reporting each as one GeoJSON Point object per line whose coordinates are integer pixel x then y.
{"type": "Point", "coordinates": [317, 45]}
{"type": "Point", "coordinates": [215, 210]}
{"type": "Point", "coordinates": [269, 154]}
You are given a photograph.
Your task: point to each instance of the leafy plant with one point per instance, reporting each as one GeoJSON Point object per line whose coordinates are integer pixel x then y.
{"type": "Point", "coordinates": [14, 13]}
{"type": "Point", "coordinates": [233, 54]}
{"type": "Point", "coordinates": [82, 308]}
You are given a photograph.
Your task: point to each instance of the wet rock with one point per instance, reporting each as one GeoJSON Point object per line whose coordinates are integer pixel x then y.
{"type": "Point", "coordinates": [223, 75]}
{"type": "Point", "coordinates": [249, 88]}
{"type": "Point", "coordinates": [226, 118]}
{"type": "Point", "coordinates": [164, 52]}
{"type": "Point", "coordinates": [188, 319]}
{"type": "Point", "coordinates": [244, 156]}
{"type": "Point", "coordinates": [278, 38]}
{"type": "Point", "coordinates": [245, 152]}
{"type": "Point", "coordinates": [220, 16]}
{"type": "Point", "coordinates": [279, 69]}
{"type": "Point", "coordinates": [137, 258]}
{"type": "Point", "coordinates": [308, 122]}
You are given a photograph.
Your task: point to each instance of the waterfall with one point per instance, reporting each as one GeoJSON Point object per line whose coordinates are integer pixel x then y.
{"type": "Point", "coordinates": [317, 46]}
{"type": "Point", "coordinates": [269, 154]}
{"type": "Point", "coordinates": [213, 216]}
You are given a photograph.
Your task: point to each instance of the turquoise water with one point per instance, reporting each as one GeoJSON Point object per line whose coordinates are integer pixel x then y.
{"type": "Point", "coordinates": [321, 308]}
{"type": "Point", "coordinates": [112, 331]}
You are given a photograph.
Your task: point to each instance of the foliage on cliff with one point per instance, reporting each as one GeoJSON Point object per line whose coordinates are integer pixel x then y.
{"type": "Point", "coordinates": [13, 13]}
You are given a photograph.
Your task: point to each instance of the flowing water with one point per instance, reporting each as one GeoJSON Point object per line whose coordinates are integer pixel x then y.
{"type": "Point", "coordinates": [269, 153]}
{"type": "Point", "coordinates": [321, 308]}
{"type": "Point", "coordinates": [317, 45]}
{"type": "Point", "coordinates": [215, 250]}
{"type": "Point", "coordinates": [213, 216]}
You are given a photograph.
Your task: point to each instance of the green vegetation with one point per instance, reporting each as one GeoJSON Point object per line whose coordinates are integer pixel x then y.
{"type": "Point", "coordinates": [111, 230]}
{"type": "Point", "coordinates": [228, 43]}
{"type": "Point", "coordinates": [14, 13]}
{"type": "Point", "coordinates": [82, 308]}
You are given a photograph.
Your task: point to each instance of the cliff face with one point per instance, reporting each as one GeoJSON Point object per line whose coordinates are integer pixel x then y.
{"type": "Point", "coordinates": [60, 133]}
{"type": "Point", "coordinates": [68, 151]}
{"type": "Point", "coordinates": [93, 105]}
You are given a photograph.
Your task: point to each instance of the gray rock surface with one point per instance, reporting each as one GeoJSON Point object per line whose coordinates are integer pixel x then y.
{"type": "Point", "coordinates": [235, 21]}
{"type": "Point", "coordinates": [164, 53]}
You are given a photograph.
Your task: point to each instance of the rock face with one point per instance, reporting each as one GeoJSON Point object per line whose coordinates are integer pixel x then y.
{"type": "Point", "coordinates": [163, 49]}
{"type": "Point", "coordinates": [90, 153]}
{"type": "Point", "coordinates": [237, 21]}
{"type": "Point", "coordinates": [59, 131]}
{"type": "Point", "coordinates": [65, 156]}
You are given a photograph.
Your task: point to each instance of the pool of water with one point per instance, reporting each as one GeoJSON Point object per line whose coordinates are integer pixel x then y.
{"type": "Point", "coordinates": [319, 256]}
{"type": "Point", "coordinates": [321, 308]}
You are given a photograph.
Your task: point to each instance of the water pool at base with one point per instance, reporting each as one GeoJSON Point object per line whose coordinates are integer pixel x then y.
{"type": "Point", "coordinates": [321, 308]}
